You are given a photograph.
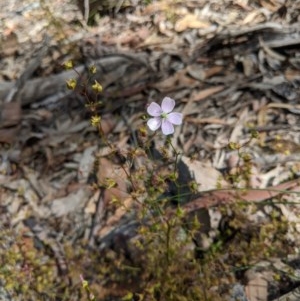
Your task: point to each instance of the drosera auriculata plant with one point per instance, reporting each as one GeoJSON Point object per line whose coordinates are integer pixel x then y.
{"type": "Point", "coordinates": [162, 262]}
{"type": "Point", "coordinates": [169, 268]}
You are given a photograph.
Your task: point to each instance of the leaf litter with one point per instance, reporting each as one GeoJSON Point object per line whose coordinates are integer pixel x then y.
{"type": "Point", "coordinates": [231, 66]}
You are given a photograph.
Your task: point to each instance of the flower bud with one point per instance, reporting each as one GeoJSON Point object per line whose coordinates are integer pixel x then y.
{"type": "Point", "coordinates": [97, 87]}
{"type": "Point", "coordinates": [71, 84]}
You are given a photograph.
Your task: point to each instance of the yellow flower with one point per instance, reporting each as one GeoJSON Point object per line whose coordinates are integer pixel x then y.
{"type": "Point", "coordinates": [85, 284]}
{"type": "Point", "coordinates": [95, 120]}
{"type": "Point", "coordinates": [110, 183]}
{"type": "Point", "coordinates": [68, 65]}
{"type": "Point", "coordinates": [71, 84]}
{"type": "Point", "coordinates": [97, 87]}
{"type": "Point", "coordinates": [93, 69]}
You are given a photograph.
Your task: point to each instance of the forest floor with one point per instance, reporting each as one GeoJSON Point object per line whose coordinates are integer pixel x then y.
{"type": "Point", "coordinates": [233, 68]}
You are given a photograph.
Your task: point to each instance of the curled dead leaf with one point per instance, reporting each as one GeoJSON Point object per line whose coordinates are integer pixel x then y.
{"type": "Point", "coordinates": [190, 21]}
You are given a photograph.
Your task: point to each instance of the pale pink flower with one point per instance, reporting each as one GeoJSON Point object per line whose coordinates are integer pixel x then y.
{"type": "Point", "coordinates": [162, 116]}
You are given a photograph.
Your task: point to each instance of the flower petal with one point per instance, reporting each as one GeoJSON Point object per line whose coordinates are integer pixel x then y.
{"type": "Point", "coordinates": [154, 109]}
{"type": "Point", "coordinates": [154, 123]}
{"type": "Point", "coordinates": [175, 118]}
{"type": "Point", "coordinates": [167, 127]}
{"type": "Point", "coordinates": [168, 105]}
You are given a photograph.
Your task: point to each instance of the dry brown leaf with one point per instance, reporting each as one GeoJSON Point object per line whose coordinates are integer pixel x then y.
{"type": "Point", "coordinates": [138, 18]}
{"type": "Point", "coordinates": [10, 114]}
{"type": "Point", "coordinates": [198, 96]}
{"type": "Point", "coordinates": [179, 79]}
{"type": "Point", "coordinates": [248, 65]}
{"type": "Point", "coordinates": [71, 202]}
{"type": "Point", "coordinates": [9, 45]}
{"type": "Point", "coordinates": [157, 6]}
{"type": "Point", "coordinates": [86, 164]}
{"type": "Point", "coordinates": [155, 39]}
{"type": "Point", "coordinates": [291, 74]}
{"type": "Point", "coordinates": [132, 38]}
{"type": "Point", "coordinates": [272, 6]}
{"type": "Point", "coordinates": [190, 21]}
{"type": "Point", "coordinates": [91, 206]}
{"type": "Point", "coordinates": [116, 217]}
{"type": "Point", "coordinates": [163, 29]}
{"type": "Point", "coordinates": [205, 175]}
{"type": "Point", "coordinates": [243, 4]}
{"type": "Point", "coordinates": [250, 19]}
{"type": "Point", "coordinates": [215, 198]}
{"type": "Point", "coordinates": [8, 135]}
{"type": "Point", "coordinates": [270, 52]}
{"type": "Point", "coordinates": [206, 120]}
{"type": "Point", "coordinates": [198, 72]}
{"type": "Point", "coordinates": [108, 123]}
{"type": "Point", "coordinates": [257, 288]}
{"type": "Point", "coordinates": [239, 125]}
{"type": "Point", "coordinates": [108, 171]}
